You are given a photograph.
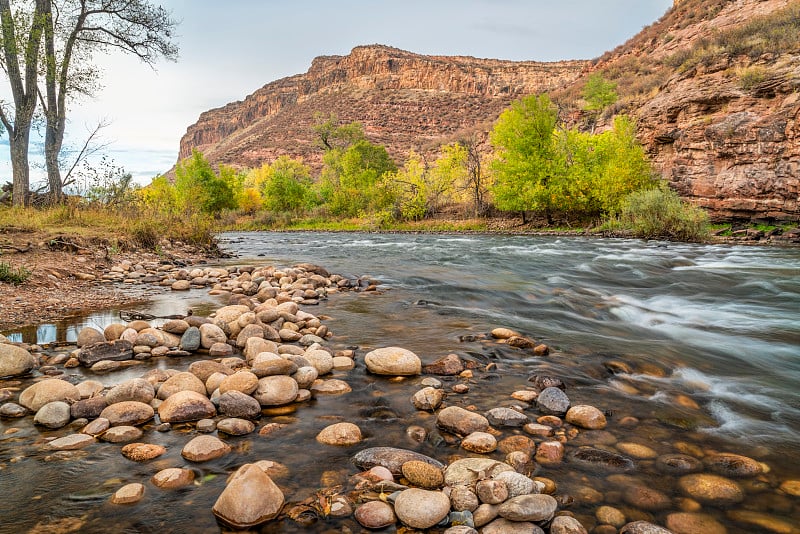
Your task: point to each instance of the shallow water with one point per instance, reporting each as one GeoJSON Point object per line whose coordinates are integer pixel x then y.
{"type": "Point", "coordinates": [715, 325]}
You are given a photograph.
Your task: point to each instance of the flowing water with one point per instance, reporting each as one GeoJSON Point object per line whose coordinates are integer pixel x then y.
{"type": "Point", "coordinates": [708, 337]}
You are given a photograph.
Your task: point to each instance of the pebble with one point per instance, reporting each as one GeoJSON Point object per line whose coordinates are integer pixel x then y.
{"type": "Point", "coordinates": [646, 498]}
{"type": "Point", "coordinates": [553, 401]}
{"type": "Point", "coordinates": [96, 427]}
{"type": "Point", "coordinates": [142, 452]}
{"type": "Point", "coordinates": [602, 459]}
{"type": "Point", "coordinates": [205, 448]}
{"type": "Point", "coordinates": [340, 434]}
{"type": "Point", "coordinates": [506, 417]}
{"type": "Point", "coordinates": [13, 410]}
{"type": "Point", "coordinates": [678, 464]}
{"type": "Point", "coordinates": [427, 399]}
{"type": "Point", "coordinates": [550, 453]}
{"type": "Point", "coordinates": [586, 416]}
{"type": "Point", "coordinates": [128, 494]}
{"type": "Point", "coordinates": [449, 365]}
{"type": "Point", "coordinates": [375, 515]}
{"type": "Point", "coordinates": [331, 386]}
{"type": "Point", "coordinates": [419, 508]}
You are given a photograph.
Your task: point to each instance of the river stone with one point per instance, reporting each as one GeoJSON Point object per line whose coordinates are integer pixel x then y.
{"type": "Point", "coordinates": [646, 498]}
{"type": "Point", "coordinates": [136, 389]}
{"type": "Point", "coordinates": [504, 526]}
{"type": "Point", "coordinates": [142, 452]}
{"type": "Point", "coordinates": [342, 434]}
{"type": "Point", "coordinates": [391, 458]}
{"type": "Point", "coordinates": [459, 421]}
{"type": "Point", "coordinates": [185, 406]}
{"type": "Point", "coordinates": [791, 487]}
{"type": "Point", "coordinates": [15, 361]}
{"type": "Point", "coordinates": [173, 478]}
{"type": "Point", "coordinates": [220, 350]}
{"type": "Point", "coordinates": [608, 515]}
{"type": "Point", "coordinates": [211, 334]}
{"type": "Point", "coordinates": [237, 404]}
{"type": "Point", "coordinates": [553, 401]}
{"type": "Point", "coordinates": [506, 417]}
{"type": "Point", "coordinates": [394, 361]}
{"type": "Point", "coordinates": [428, 399]}
{"type": "Point", "coordinates": [449, 365]}
{"type": "Point", "coordinates": [89, 336]}
{"type": "Point", "coordinates": [243, 381]}
{"type": "Point", "coordinates": [332, 386]}
{"type": "Point", "coordinates": [236, 426]}
{"type": "Point", "coordinates": [463, 499]}
{"type": "Point", "coordinates": [117, 350]}
{"type": "Point", "coordinates": [203, 369]}
{"type": "Point", "coordinates": [97, 427]}
{"type": "Point", "coordinates": [276, 390]}
{"type": "Point", "coordinates": [90, 388]}
{"type": "Point", "coordinates": [601, 459]}
{"type": "Point", "coordinates": [122, 434]}
{"type": "Point", "coordinates": [190, 339]}
{"type": "Point", "coordinates": [467, 471]}
{"type": "Point", "coordinates": [205, 448]}
{"type": "Point", "coordinates": [517, 483]}
{"type": "Point", "coordinates": [12, 409]}
{"type": "Point", "coordinates": [46, 391]}
{"type": "Point", "coordinates": [375, 515]}
{"type": "Point", "coordinates": [694, 523]}
{"type": "Point", "coordinates": [249, 499]}
{"type": "Point", "coordinates": [422, 474]}
{"type": "Point", "coordinates": [644, 527]}
{"type": "Point", "coordinates": [491, 491]}
{"type": "Point", "coordinates": [586, 416]}
{"type": "Point", "coordinates": [267, 364]}
{"type": "Point", "coordinates": [636, 450]}
{"type": "Point", "coordinates": [565, 524]}
{"type": "Point", "coordinates": [733, 465]}
{"type": "Point", "coordinates": [479, 442]}
{"type": "Point", "coordinates": [128, 413]}
{"type": "Point", "coordinates": [321, 360]}
{"type": "Point", "coordinates": [711, 489]}
{"type": "Point", "coordinates": [229, 314]}
{"type": "Point", "coordinates": [113, 331]}
{"type": "Point", "coordinates": [128, 494]}
{"type": "Point", "coordinates": [54, 414]}
{"type": "Point", "coordinates": [678, 464]}
{"type": "Point", "coordinates": [88, 408]}
{"type": "Point", "coordinates": [419, 508]}
{"type": "Point", "coordinates": [504, 333]}
{"type": "Point", "coordinates": [181, 382]}
{"type": "Point", "coordinates": [305, 376]}
{"type": "Point", "coordinates": [70, 443]}
{"type": "Point", "coordinates": [533, 507]}
{"type": "Point", "coordinates": [249, 331]}
{"type": "Point", "coordinates": [764, 522]}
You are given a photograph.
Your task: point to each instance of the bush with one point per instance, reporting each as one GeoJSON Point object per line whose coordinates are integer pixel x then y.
{"type": "Point", "coordinates": [10, 275]}
{"type": "Point", "coordinates": [661, 213]}
{"type": "Point", "coordinates": [750, 77]}
{"type": "Point", "coordinates": [146, 233]}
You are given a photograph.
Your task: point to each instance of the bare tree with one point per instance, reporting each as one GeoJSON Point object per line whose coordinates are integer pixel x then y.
{"type": "Point", "coordinates": [476, 182]}
{"type": "Point", "coordinates": [22, 73]}
{"type": "Point", "coordinates": [77, 29]}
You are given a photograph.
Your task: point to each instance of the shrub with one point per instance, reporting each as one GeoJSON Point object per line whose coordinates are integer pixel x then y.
{"type": "Point", "coordinates": [146, 233]}
{"type": "Point", "coordinates": [10, 275]}
{"type": "Point", "coordinates": [750, 77]}
{"type": "Point", "coordinates": [661, 213]}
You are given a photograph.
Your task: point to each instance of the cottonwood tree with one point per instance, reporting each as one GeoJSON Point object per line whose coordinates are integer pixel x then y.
{"type": "Point", "coordinates": [76, 30]}
{"type": "Point", "coordinates": [21, 39]}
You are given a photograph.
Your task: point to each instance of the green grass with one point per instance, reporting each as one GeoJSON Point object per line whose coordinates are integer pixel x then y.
{"type": "Point", "coordinates": [11, 275]}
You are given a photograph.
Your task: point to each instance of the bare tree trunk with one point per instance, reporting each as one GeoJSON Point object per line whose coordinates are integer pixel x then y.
{"type": "Point", "coordinates": [52, 149]}
{"type": "Point", "coordinates": [18, 143]}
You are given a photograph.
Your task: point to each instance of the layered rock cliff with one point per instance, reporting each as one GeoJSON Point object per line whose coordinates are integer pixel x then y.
{"type": "Point", "coordinates": [404, 100]}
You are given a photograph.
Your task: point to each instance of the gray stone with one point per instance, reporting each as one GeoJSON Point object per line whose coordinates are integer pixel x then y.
{"type": "Point", "coordinates": [53, 415]}
{"type": "Point", "coordinates": [12, 409]}
{"type": "Point", "coordinates": [534, 507]}
{"type": "Point", "coordinates": [506, 417]}
{"type": "Point", "coordinates": [117, 350]}
{"type": "Point", "coordinates": [553, 401]}
{"type": "Point", "coordinates": [391, 458]}
{"type": "Point", "coordinates": [190, 340]}
{"type": "Point", "coordinates": [237, 404]}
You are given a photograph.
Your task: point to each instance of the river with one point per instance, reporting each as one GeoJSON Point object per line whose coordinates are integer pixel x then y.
{"type": "Point", "coordinates": [700, 343]}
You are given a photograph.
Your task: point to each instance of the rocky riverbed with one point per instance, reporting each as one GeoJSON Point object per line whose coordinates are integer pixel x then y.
{"type": "Point", "coordinates": [187, 407]}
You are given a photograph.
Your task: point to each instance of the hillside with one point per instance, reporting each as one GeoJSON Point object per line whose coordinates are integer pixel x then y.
{"type": "Point", "coordinates": [713, 85]}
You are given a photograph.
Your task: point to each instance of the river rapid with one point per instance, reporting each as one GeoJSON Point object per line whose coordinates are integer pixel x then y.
{"type": "Point", "coordinates": [699, 343]}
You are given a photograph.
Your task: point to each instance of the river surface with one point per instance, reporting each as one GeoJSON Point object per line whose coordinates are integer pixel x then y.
{"type": "Point", "coordinates": [701, 343]}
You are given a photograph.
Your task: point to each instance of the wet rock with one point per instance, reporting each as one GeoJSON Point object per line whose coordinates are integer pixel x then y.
{"type": "Point", "coordinates": [517, 443]}
{"type": "Point", "coordinates": [586, 416]}
{"type": "Point", "coordinates": [276, 390]}
{"type": "Point", "coordinates": [504, 333]}
{"type": "Point", "coordinates": [553, 401]}
{"type": "Point", "coordinates": [191, 339]}
{"type": "Point", "coordinates": [88, 408]}
{"type": "Point", "coordinates": [504, 526]}
{"type": "Point", "coordinates": [393, 361]}
{"type": "Point", "coordinates": [449, 365]}
{"type": "Point", "coordinates": [249, 331]}
{"type": "Point", "coordinates": [321, 360]}
{"type": "Point", "coordinates": [47, 391]}
{"type": "Point", "coordinates": [205, 448]}
{"type": "Point", "coordinates": [53, 415]}
{"type": "Point", "coordinates": [330, 387]}
{"type": "Point", "coordinates": [15, 361]}
{"type": "Point", "coordinates": [542, 382]}
{"type": "Point", "coordinates": [173, 478]}
{"type": "Point", "coordinates": [764, 522]}
{"type": "Point", "coordinates": [243, 381]}
{"type": "Point", "coordinates": [106, 366]}
{"type": "Point", "coordinates": [90, 388]}
{"type": "Point", "coordinates": [122, 434]}
{"type": "Point", "coordinates": [117, 350]}
{"type": "Point", "coordinates": [176, 326]}
{"type": "Point", "coordinates": [506, 417]}
{"type": "Point", "coordinates": [733, 465]}
{"type": "Point", "coordinates": [693, 523]}
{"type": "Point", "coordinates": [181, 382]}
{"type": "Point", "coordinates": [391, 458]}
{"type": "Point", "coordinates": [235, 426]}
{"type": "Point", "coordinates": [340, 434]}
{"type": "Point", "coordinates": [70, 443]}
{"type": "Point", "coordinates": [534, 507]}
{"type": "Point", "coordinates": [419, 508]}
{"type": "Point", "coordinates": [89, 336]}
{"type": "Point", "coordinates": [463, 498]}
{"type": "Point", "coordinates": [142, 452]}
{"type": "Point", "coordinates": [601, 459]}
{"type": "Point", "coordinates": [609, 515]}
{"type": "Point", "coordinates": [636, 450]}
{"type": "Point", "coordinates": [460, 421]}
{"type": "Point", "coordinates": [375, 515]}
{"type": "Point", "coordinates": [181, 285]}
{"type": "Point", "coordinates": [249, 499]}
{"type": "Point", "coordinates": [97, 427]}
{"type": "Point", "coordinates": [483, 514]}
{"type": "Point", "coordinates": [565, 524]}
{"type": "Point", "coordinates": [136, 389]}
{"type": "Point", "coordinates": [678, 464]}
{"type": "Point", "coordinates": [268, 364]}
{"type": "Point", "coordinates": [467, 471]}
{"type": "Point", "coordinates": [185, 406]}
{"type": "Point", "coordinates": [12, 409]}
{"type": "Point", "coordinates": [479, 442]}
{"type": "Point", "coordinates": [643, 527]}
{"type": "Point", "coordinates": [128, 413]}
{"type": "Point", "coordinates": [427, 399]}
{"type": "Point", "coordinates": [128, 494]}
{"type": "Point", "coordinates": [113, 331]}
{"type": "Point", "coordinates": [516, 483]}
{"type": "Point", "coordinates": [646, 498]}
{"type": "Point", "coordinates": [305, 376]}
{"type": "Point", "coordinates": [491, 491]}
{"type": "Point", "coordinates": [422, 474]}
{"type": "Point", "coordinates": [211, 334]}
{"type": "Point", "coordinates": [791, 487]}
{"type": "Point", "coordinates": [711, 489]}
{"type": "Point", "coordinates": [203, 369]}
{"type": "Point", "coordinates": [237, 404]}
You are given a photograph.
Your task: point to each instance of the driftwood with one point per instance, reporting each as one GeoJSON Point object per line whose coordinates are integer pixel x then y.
{"type": "Point", "coordinates": [129, 316]}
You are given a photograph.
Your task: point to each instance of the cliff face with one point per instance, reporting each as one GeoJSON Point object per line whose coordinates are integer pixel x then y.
{"type": "Point", "coordinates": [404, 100]}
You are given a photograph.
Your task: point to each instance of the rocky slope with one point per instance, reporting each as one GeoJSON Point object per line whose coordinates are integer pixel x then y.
{"type": "Point", "coordinates": [404, 100]}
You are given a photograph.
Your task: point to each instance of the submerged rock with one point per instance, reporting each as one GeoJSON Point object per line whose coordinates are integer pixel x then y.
{"type": "Point", "coordinates": [601, 459]}
{"type": "Point", "coordinates": [393, 361]}
{"type": "Point", "coordinates": [460, 421]}
{"type": "Point", "coordinates": [249, 499]}
{"type": "Point", "coordinates": [391, 458]}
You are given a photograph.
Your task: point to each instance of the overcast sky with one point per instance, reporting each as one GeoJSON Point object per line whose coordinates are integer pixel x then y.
{"type": "Point", "coordinates": [228, 52]}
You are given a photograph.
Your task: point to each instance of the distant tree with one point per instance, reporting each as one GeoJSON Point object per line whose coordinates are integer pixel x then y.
{"type": "Point", "coordinates": [332, 135]}
{"type": "Point", "coordinates": [476, 182]}
{"type": "Point", "coordinates": [287, 186]}
{"type": "Point", "coordinates": [198, 188]}
{"type": "Point", "coordinates": [598, 93]}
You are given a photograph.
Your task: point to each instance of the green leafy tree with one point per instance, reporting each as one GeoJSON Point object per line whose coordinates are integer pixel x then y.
{"type": "Point", "coordinates": [332, 135]}
{"type": "Point", "coordinates": [198, 188]}
{"type": "Point", "coordinates": [159, 196]}
{"type": "Point", "coordinates": [598, 93]}
{"type": "Point", "coordinates": [287, 186]}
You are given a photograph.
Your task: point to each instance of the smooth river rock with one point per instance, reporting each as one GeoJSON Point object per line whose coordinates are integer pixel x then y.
{"type": "Point", "coordinates": [391, 458]}
{"type": "Point", "coordinates": [46, 391]}
{"type": "Point", "coordinates": [340, 434]}
{"type": "Point", "coordinates": [276, 390]}
{"type": "Point", "coordinates": [601, 459]}
{"type": "Point", "coordinates": [733, 465]}
{"type": "Point", "coordinates": [393, 361]}
{"type": "Point", "coordinates": [205, 448]}
{"type": "Point", "coordinates": [467, 471]}
{"type": "Point", "coordinates": [128, 494]}
{"type": "Point", "coordinates": [237, 404]}
{"type": "Point", "coordinates": [711, 489]}
{"type": "Point", "coordinates": [459, 421]}
{"type": "Point", "coordinates": [586, 416]}
{"type": "Point", "coordinates": [533, 507]}
{"type": "Point", "coordinates": [70, 443]}
{"type": "Point", "coordinates": [117, 350]}
{"type": "Point", "coordinates": [249, 499]}
{"type": "Point", "coordinates": [53, 415]}
{"type": "Point", "coordinates": [128, 413]}
{"type": "Point", "coordinates": [506, 417]}
{"type": "Point", "coordinates": [173, 478]}
{"type": "Point", "coordinates": [564, 524]}
{"type": "Point", "coordinates": [375, 515]}
{"type": "Point", "coordinates": [553, 401]}
{"type": "Point", "coordinates": [136, 389]}
{"type": "Point", "coordinates": [186, 406]}
{"type": "Point", "coordinates": [178, 382]}
{"type": "Point", "coordinates": [15, 361]}
{"type": "Point", "coordinates": [419, 508]}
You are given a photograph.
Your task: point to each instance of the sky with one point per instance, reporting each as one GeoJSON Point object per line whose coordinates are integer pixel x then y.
{"type": "Point", "coordinates": [226, 53]}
